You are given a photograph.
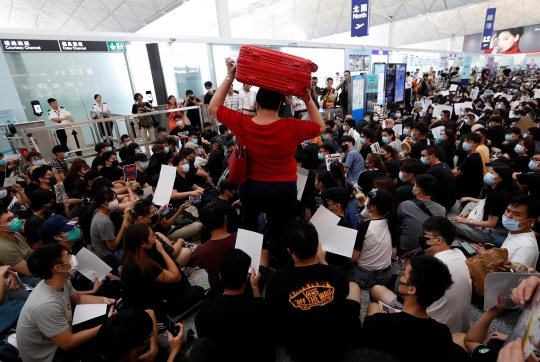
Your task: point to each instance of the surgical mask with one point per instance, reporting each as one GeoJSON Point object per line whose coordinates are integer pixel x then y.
{"type": "Point", "coordinates": [462, 114]}
{"type": "Point", "coordinates": [385, 140]}
{"type": "Point", "coordinates": [518, 149]}
{"type": "Point", "coordinates": [405, 132]}
{"type": "Point", "coordinates": [498, 106]}
{"type": "Point", "coordinates": [533, 165]}
{"type": "Point", "coordinates": [511, 224]}
{"type": "Point", "coordinates": [3, 162]}
{"type": "Point", "coordinates": [185, 168]}
{"type": "Point", "coordinates": [66, 155]}
{"type": "Point", "coordinates": [195, 140]}
{"type": "Point", "coordinates": [15, 225]}
{"type": "Point", "coordinates": [320, 156]}
{"type": "Point", "coordinates": [109, 149]}
{"type": "Point", "coordinates": [362, 140]}
{"type": "Point", "coordinates": [179, 123]}
{"type": "Point", "coordinates": [489, 179]}
{"type": "Point", "coordinates": [424, 161]}
{"type": "Point", "coordinates": [73, 263]}
{"type": "Point", "coordinates": [401, 177]}
{"type": "Point", "coordinates": [398, 115]}
{"type": "Point", "coordinates": [144, 164]}
{"type": "Point", "coordinates": [128, 143]}
{"type": "Point", "coordinates": [376, 118]}
{"type": "Point", "coordinates": [112, 205]}
{"type": "Point", "coordinates": [525, 135]}
{"type": "Point", "coordinates": [324, 137]}
{"type": "Point", "coordinates": [508, 137]}
{"type": "Point", "coordinates": [3, 193]}
{"type": "Point", "coordinates": [139, 151]}
{"type": "Point", "coordinates": [344, 128]}
{"type": "Point", "coordinates": [38, 162]}
{"type": "Point", "coordinates": [439, 139]}
{"type": "Point", "coordinates": [439, 118]}
{"type": "Point", "coordinates": [74, 235]}
{"type": "Point", "coordinates": [466, 146]}
{"type": "Point", "coordinates": [166, 149]}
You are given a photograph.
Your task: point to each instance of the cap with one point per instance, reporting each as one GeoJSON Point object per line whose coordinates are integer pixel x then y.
{"type": "Point", "coordinates": [101, 145]}
{"type": "Point", "coordinates": [336, 194]}
{"type": "Point", "coordinates": [57, 224]}
{"type": "Point", "coordinates": [216, 139]}
{"type": "Point", "coordinates": [190, 145]}
{"type": "Point", "coordinates": [476, 126]}
{"type": "Point", "coordinates": [417, 104]}
{"type": "Point", "coordinates": [515, 130]}
{"type": "Point", "coordinates": [231, 143]}
{"type": "Point", "coordinates": [499, 160]}
{"type": "Point", "coordinates": [141, 157]}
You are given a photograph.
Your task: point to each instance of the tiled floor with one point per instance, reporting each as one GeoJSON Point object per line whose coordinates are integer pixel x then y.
{"type": "Point", "coordinates": [503, 324]}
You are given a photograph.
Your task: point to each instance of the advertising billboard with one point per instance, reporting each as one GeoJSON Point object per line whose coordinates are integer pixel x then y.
{"type": "Point", "coordinates": [523, 39]}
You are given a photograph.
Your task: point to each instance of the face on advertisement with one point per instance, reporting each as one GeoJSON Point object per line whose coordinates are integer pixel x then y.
{"type": "Point", "coordinates": [507, 40]}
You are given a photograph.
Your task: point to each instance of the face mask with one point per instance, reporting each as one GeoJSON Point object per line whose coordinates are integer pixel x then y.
{"type": "Point", "coordinates": [196, 141]}
{"type": "Point", "coordinates": [73, 263]}
{"type": "Point", "coordinates": [462, 114]}
{"type": "Point", "coordinates": [320, 156]}
{"type": "Point", "coordinates": [533, 166]}
{"type": "Point", "coordinates": [37, 162]}
{"type": "Point", "coordinates": [498, 106]}
{"type": "Point", "coordinates": [128, 143]}
{"type": "Point", "coordinates": [166, 149]}
{"type": "Point", "coordinates": [422, 242]}
{"type": "Point", "coordinates": [73, 235]}
{"type": "Point", "coordinates": [324, 137]}
{"type": "Point", "coordinates": [306, 142]}
{"type": "Point", "coordinates": [385, 140]}
{"type": "Point", "coordinates": [15, 225]}
{"type": "Point", "coordinates": [508, 137]}
{"type": "Point", "coordinates": [518, 149]}
{"type": "Point", "coordinates": [525, 135]}
{"type": "Point", "coordinates": [401, 177]}
{"type": "Point", "coordinates": [344, 147]}
{"type": "Point", "coordinates": [376, 118]}
{"type": "Point", "coordinates": [424, 161]}
{"type": "Point", "coordinates": [466, 146]}
{"type": "Point", "coordinates": [112, 205]}
{"type": "Point", "coordinates": [3, 162]}
{"type": "Point", "coordinates": [398, 115]}
{"type": "Point", "coordinates": [439, 118]}
{"type": "Point", "coordinates": [185, 168]}
{"type": "Point", "coordinates": [179, 123]}
{"type": "Point", "coordinates": [144, 164]}
{"type": "Point", "coordinates": [362, 140]}
{"type": "Point", "coordinates": [398, 283]}
{"type": "Point", "coordinates": [405, 132]}
{"type": "Point", "coordinates": [154, 219]}
{"type": "Point", "coordinates": [510, 224]}
{"type": "Point", "coordinates": [439, 139]}
{"type": "Point", "coordinates": [489, 179]}
{"type": "Point", "coordinates": [3, 193]}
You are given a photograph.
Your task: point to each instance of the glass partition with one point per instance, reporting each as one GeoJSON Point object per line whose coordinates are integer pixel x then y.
{"type": "Point", "coordinates": [192, 67]}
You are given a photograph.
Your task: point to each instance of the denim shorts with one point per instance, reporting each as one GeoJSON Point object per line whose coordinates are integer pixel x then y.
{"type": "Point", "coordinates": [368, 278]}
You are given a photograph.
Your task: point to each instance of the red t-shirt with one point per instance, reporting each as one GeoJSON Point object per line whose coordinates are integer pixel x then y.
{"type": "Point", "coordinates": [208, 256]}
{"type": "Point", "coordinates": [271, 147]}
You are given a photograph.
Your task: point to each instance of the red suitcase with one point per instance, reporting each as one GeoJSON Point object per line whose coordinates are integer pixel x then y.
{"type": "Point", "coordinates": [276, 71]}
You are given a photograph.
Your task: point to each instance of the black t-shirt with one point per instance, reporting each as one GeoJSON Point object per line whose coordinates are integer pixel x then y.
{"type": "Point", "coordinates": [176, 130]}
{"type": "Point", "coordinates": [472, 180]}
{"type": "Point", "coordinates": [98, 161]}
{"type": "Point", "coordinates": [496, 136]}
{"type": "Point", "coordinates": [70, 180]}
{"type": "Point", "coordinates": [316, 99]}
{"type": "Point", "coordinates": [312, 151]}
{"type": "Point", "coordinates": [111, 173]}
{"type": "Point", "coordinates": [365, 151]}
{"type": "Point", "coordinates": [225, 321]}
{"type": "Point", "coordinates": [416, 149]}
{"type": "Point", "coordinates": [532, 180]}
{"type": "Point", "coordinates": [193, 114]}
{"type": "Point", "coordinates": [445, 193]}
{"type": "Point", "coordinates": [521, 164]}
{"type": "Point", "coordinates": [307, 305]}
{"type": "Point", "coordinates": [496, 203]}
{"type": "Point", "coordinates": [182, 184]}
{"type": "Point", "coordinates": [32, 227]}
{"type": "Point", "coordinates": [142, 179]}
{"type": "Point", "coordinates": [392, 168]}
{"type": "Point", "coordinates": [433, 339]}
{"type": "Point", "coordinates": [208, 98]}
{"type": "Point", "coordinates": [366, 179]}
{"type": "Point", "coordinates": [30, 188]}
{"type": "Point", "coordinates": [336, 259]}
{"type": "Point", "coordinates": [509, 149]}
{"type": "Point", "coordinates": [215, 160]}
{"type": "Point", "coordinates": [449, 152]}
{"type": "Point", "coordinates": [122, 153]}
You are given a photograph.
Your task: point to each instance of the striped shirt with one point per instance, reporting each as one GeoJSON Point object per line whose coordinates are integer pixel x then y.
{"type": "Point", "coordinates": [62, 168]}
{"type": "Point", "coordinates": [232, 102]}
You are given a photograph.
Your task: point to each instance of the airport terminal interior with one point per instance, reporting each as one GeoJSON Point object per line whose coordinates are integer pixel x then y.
{"type": "Point", "coordinates": [269, 180]}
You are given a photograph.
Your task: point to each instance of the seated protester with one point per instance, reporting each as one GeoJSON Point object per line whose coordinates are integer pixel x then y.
{"type": "Point", "coordinates": [61, 230]}
{"type": "Point", "coordinates": [525, 150]}
{"type": "Point", "coordinates": [496, 132]}
{"type": "Point", "coordinates": [468, 175]}
{"type": "Point", "coordinates": [181, 126]}
{"type": "Point", "coordinates": [311, 149]}
{"type": "Point", "coordinates": [388, 137]}
{"type": "Point", "coordinates": [454, 308]}
{"type": "Point", "coordinates": [447, 141]}
{"type": "Point", "coordinates": [44, 327]}
{"type": "Point", "coordinates": [531, 179]}
{"type": "Point", "coordinates": [324, 151]}
{"type": "Point", "coordinates": [336, 200]}
{"type": "Point", "coordinates": [226, 318]}
{"type": "Point", "coordinates": [102, 232]}
{"type": "Point", "coordinates": [230, 201]}
{"type": "Point", "coordinates": [110, 170]}
{"type": "Point", "coordinates": [367, 138]}
{"type": "Point", "coordinates": [375, 169]}
{"type": "Point", "coordinates": [413, 213]}
{"type": "Point", "coordinates": [215, 159]}
{"type": "Point", "coordinates": [534, 133]}
{"type": "Point", "coordinates": [409, 169]}
{"type": "Point", "coordinates": [424, 281]}
{"type": "Point", "coordinates": [132, 150]}
{"type": "Point", "coordinates": [141, 160]}
{"type": "Point", "coordinates": [196, 171]}
{"type": "Point", "coordinates": [323, 290]}
{"type": "Point", "coordinates": [518, 218]}
{"type": "Point", "coordinates": [512, 138]}
{"type": "Point", "coordinates": [498, 194]}
{"type": "Point", "coordinates": [445, 191]}
{"type": "Point", "coordinates": [482, 149]}
{"type": "Point", "coordinates": [390, 158]}
{"type": "Point", "coordinates": [159, 157]}
{"type": "Point", "coordinates": [10, 290]}
{"type": "Point", "coordinates": [323, 181]}
{"type": "Point", "coordinates": [372, 255]}
{"type": "Point", "coordinates": [328, 139]}
{"type": "Point", "coordinates": [207, 135]}
{"type": "Point", "coordinates": [183, 184]}
{"type": "Point", "coordinates": [151, 279]}
{"type": "Point", "coordinates": [228, 152]}
{"type": "Point", "coordinates": [75, 176]}
{"type": "Point", "coordinates": [60, 153]}
{"type": "Point", "coordinates": [143, 211]}
{"type": "Point", "coordinates": [418, 140]}
{"type": "Point", "coordinates": [162, 133]}
{"type": "Point", "coordinates": [126, 141]}
{"type": "Point", "coordinates": [407, 131]}
{"type": "Point", "coordinates": [41, 201]}
{"type": "Point", "coordinates": [350, 130]}
{"type": "Point", "coordinates": [302, 161]}
{"type": "Point", "coordinates": [101, 148]}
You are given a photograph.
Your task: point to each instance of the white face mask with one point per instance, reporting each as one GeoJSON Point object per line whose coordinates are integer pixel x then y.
{"type": "Point", "coordinates": [113, 205]}
{"type": "Point", "coordinates": [73, 263]}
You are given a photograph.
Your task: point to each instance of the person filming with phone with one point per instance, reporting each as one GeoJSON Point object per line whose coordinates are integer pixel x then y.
{"type": "Point", "coordinates": [140, 106]}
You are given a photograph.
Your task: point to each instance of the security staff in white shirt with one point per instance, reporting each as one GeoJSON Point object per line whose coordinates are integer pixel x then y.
{"type": "Point", "coordinates": [59, 115]}
{"type": "Point", "coordinates": [247, 100]}
{"type": "Point", "coordinates": [102, 110]}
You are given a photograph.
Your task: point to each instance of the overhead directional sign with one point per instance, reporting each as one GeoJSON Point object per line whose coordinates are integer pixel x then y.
{"type": "Point", "coordinates": [27, 45]}
{"type": "Point", "coordinates": [488, 28]}
{"type": "Point", "coordinates": [82, 46]}
{"type": "Point", "coordinates": [116, 46]}
{"type": "Point", "coordinates": [359, 18]}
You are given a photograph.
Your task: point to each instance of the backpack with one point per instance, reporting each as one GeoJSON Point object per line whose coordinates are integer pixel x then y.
{"type": "Point", "coordinates": [146, 121]}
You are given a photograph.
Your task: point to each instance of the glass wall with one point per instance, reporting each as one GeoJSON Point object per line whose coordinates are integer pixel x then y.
{"type": "Point", "coordinates": [192, 67]}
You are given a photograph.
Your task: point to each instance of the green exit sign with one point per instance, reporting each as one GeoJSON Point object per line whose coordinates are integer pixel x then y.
{"type": "Point", "coordinates": [116, 46]}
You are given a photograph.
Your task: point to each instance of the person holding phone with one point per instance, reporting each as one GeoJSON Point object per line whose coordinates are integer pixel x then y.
{"type": "Point", "coordinates": [140, 106]}
{"type": "Point", "coordinates": [193, 114]}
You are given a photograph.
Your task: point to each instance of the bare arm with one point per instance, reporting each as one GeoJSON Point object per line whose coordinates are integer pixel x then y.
{"type": "Point", "coordinates": [171, 274]}
{"type": "Point", "coordinates": [22, 268]}
{"type": "Point", "coordinates": [315, 116]}
{"type": "Point", "coordinates": [68, 340]}
{"type": "Point", "coordinates": [221, 93]}
{"type": "Point", "coordinates": [476, 335]}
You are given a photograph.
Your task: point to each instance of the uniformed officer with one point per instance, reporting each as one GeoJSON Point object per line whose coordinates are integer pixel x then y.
{"type": "Point", "coordinates": [59, 115]}
{"type": "Point", "coordinates": [103, 110]}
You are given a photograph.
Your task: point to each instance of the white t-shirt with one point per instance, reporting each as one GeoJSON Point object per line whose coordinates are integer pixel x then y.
{"type": "Point", "coordinates": [522, 248]}
{"type": "Point", "coordinates": [376, 249]}
{"type": "Point", "coordinates": [454, 308]}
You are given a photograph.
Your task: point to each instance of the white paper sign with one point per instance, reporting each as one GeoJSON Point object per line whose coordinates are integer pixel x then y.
{"type": "Point", "coordinates": [13, 202]}
{"type": "Point", "coordinates": [501, 283]}
{"type": "Point", "coordinates": [85, 312]}
{"type": "Point", "coordinates": [16, 156]}
{"type": "Point", "coordinates": [91, 266]}
{"type": "Point", "coordinates": [302, 174]}
{"type": "Point", "coordinates": [147, 191]}
{"type": "Point", "coordinates": [250, 243]}
{"type": "Point", "coordinates": [537, 93]}
{"type": "Point", "coordinates": [8, 181]}
{"type": "Point", "coordinates": [437, 109]}
{"type": "Point", "coordinates": [453, 87]}
{"type": "Point", "coordinates": [164, 188]}
{"type": "Point", "coordinates": [474, 94]}
{"type": "Point", "coordinates": [459, 107]}
{"type": "Point", "coordinates": [445, 93]}
{"type": "Point", "coordinates": [336, 239]}
{"type": "Point", "coordinates": [322, 215]}
{"type": "Point", "coordinates": [398, 129]}
{"type": "Point", "coordinates": [437, 131]}
{"type": "Point", "coordinates": [375, 148]}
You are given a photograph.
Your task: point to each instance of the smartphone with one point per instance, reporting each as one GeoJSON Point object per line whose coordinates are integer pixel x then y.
{"type": "Point", "coordinates": [36, 106]}
{"type": "Point", "coordinates": [199, 150]}
{"type": "Point", "coordinates": [172, 327]}
{"type": "Point", "coordinates": [166, 210]}
{"type": "Point", "coordinates": [467, 247]}
{"type": "Point", "coordinates": [193, 200]}
{"type": "Point", "coordinates": [149, 97]}
{"type": "Point", "coordinates": [318, 201]}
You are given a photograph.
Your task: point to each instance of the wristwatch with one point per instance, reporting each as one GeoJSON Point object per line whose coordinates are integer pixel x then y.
{"type": "Point", "coordinates": [229, 78]}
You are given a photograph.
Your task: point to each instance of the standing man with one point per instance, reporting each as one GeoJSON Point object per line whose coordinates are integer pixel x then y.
{"type": "Point", "coordinates": [193, 114]}
{"type": "Point", "coordinates": [59, 115]}
{"type": "Point", "coordinates": [329, 94]}
{"type": "Point", "coordinates": [232, 100]}
{"type": "Point", "coordinates": [209, 92]}
{"type": "Point", "coordinates": [408, 90]}
{"type": "Point", "coordinates": [315, 91]}
{"type": "Point", "coordinates": [247, 100]}
{"type": "Point", "coordinates": [344, 95]}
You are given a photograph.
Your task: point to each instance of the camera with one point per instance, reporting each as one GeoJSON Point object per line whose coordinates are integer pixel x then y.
{"type": "Point", "coordinates": [192, 98]}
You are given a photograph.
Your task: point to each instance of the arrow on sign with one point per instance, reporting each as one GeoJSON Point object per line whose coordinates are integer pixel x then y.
{"type": "Point", "coordinates": [133, 128]}
{"type": "Point", "coordinates": [112, 46]}
{"type": "Point", "coordinates": [74, 134]}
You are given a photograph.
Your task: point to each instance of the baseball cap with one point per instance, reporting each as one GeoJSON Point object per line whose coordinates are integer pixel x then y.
{"type": "Point", "coordinates": [57, 224]}
{"type": "Point", "coordinates": [190, 145]}
{"type": "Point", "coordinates": [216, 139]}
{"type": "Point", "coordinates": [231, 143]}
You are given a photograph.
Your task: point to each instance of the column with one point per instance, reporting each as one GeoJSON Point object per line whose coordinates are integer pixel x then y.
{"type": "Point", "coordinates": [452, 44]}
{"type": "Point", "coordinates": [224, 22]}
{"type": "Point", "coordinates": [391, 33]}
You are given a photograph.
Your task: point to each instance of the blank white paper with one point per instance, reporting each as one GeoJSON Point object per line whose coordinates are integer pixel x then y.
{"type": "Point", "coordinates": [302, 174]}
{"type": "Point", "coordinates": [501, 283]}
{"type": "Point", "coordinates": [251, 243]}
{"type": "Point", "coordinates": [164, 188]}
{"type": "Point", "coordinates": [91, 266]}
{"type": "Point", "coordinates": [336, 239]}
{"type": "Point", "coordinates": [323, 215]}
{"type": "Point", "coordinates": [85, 312]}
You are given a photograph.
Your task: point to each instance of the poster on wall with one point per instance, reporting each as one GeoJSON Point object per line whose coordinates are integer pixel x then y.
{"type": "Point", "coordinates": [506, 41]}
{"type": "Point", "coordinates": [401, 74]}
{"type": "Point", "coordinates": [380, 69]}
{"type": "Point", "coordinates": [466, 69]}
{"type": "Point", "coordinates": [390, 83]}
{"type": "Point", "coordinates": [443, 62]}
{"type": "Point", "coordinates": [372, 86]}
{"type": "Point", "coordinates": [358, 96]}
{"type": "Point", "coordinates": [358, 63]}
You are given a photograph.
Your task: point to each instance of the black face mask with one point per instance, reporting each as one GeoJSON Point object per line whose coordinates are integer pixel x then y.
{"type": "Point", "coordinates": [52, 180]}
{"type": "Point", "coordinates": [114, 164]}
{"type": "Point", "coordinates": [344, 147]}
{"type": "Point", "coordinates": [233, 198]}
{"type": "Point", "coordinates": [422, 241]}
{"type": "Point", "coordinates": [154, 219]}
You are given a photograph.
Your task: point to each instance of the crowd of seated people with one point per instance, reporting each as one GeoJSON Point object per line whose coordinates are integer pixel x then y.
{"type": "Point", "coordinates": [472, 176]}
